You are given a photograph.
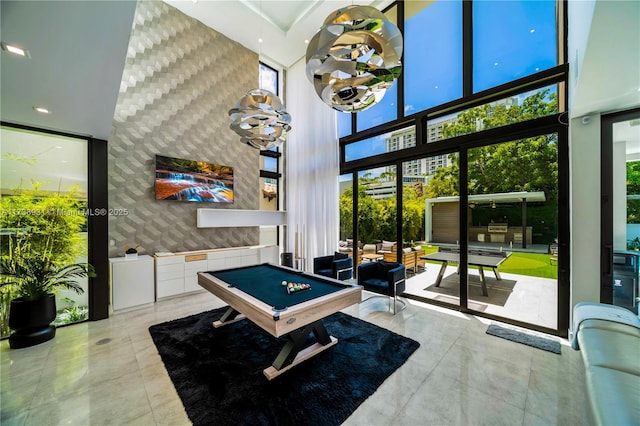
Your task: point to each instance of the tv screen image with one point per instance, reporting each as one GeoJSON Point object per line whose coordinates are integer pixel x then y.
{"type": "Point", "coordinates": [193, 181]}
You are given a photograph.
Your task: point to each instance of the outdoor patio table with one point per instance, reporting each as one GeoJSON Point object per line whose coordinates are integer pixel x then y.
{"type": "Point", "coordinates": [478, 260]}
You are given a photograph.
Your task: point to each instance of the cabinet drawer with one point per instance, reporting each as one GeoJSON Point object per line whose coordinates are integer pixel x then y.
{"type": "Point", "coordinates": [216, 255]}
{"type": "Point", "coordinates": [191, 283]}
{"type": "Point", "coordinates": [197, 266]}
{"type": "Point", "coordinates": [250, 259]}
{"type": "Point", "coordinates": [169, 272]}
{"type": "Point", "coordinates": [169, 260]}
{"type": "Point", "coordinates": [169, 287]}
{"type": "Point", "coordinates": [215, 264]}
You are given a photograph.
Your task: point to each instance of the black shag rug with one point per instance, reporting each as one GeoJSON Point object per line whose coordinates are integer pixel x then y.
{"type": "Point", "coordinates": [217, 372]}
{"type": "Point", "coordinates": [524, 338]}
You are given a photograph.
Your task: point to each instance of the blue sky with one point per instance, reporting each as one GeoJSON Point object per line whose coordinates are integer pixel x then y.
{"type": "Point", "coordinates": [512, 39]}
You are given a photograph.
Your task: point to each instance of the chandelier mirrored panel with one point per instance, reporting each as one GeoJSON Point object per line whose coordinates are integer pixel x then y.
{"type": "Point", "coordinates": [260, 119]}
{"type": "Point", "coordinates": [354, 58]}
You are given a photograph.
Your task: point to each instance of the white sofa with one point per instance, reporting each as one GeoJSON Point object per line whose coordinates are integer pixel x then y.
{"type": "Point", "coordinates": [609, 339]}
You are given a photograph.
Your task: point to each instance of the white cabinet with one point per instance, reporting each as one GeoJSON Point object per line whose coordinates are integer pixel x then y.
{"type": "Point", "coordinates": [192, 265]}
{"type": "Point", "coordinates": [169, 276]}
{"type": "Point", "coordinates": [131, 281]}
{"type": "Point", "coordinates": [177, 273]}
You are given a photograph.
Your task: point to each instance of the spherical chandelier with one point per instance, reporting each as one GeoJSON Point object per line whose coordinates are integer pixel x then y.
{"type": "Point", "coordinates": [260, 119]}
{"type": "Point", "coordinates": [354, 58]}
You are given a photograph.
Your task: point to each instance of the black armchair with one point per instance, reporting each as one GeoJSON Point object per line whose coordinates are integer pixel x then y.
{"type": "Point", "coordinates": [385, 278]}
{"type": "Point", "coordinates": [337, 265]}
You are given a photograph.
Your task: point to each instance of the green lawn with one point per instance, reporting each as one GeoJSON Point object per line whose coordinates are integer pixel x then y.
{"type": "Point", "coordinates": [530, 264]}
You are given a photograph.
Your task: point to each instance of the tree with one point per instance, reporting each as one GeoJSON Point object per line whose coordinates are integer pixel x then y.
{"type": "Point", "coordinates": [633, 189]}
{"type": "Point", "coordinates": [521, 165]}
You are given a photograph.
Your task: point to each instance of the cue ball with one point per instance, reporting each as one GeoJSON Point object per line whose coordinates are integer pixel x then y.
{"type": "Point", "coordinates": [284, 283]}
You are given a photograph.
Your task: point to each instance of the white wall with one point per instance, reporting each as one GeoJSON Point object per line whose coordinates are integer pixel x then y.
{"type": "Point", "coordinates": [579, 14]}
{"type": "Point", "coordinates": [584, 154]}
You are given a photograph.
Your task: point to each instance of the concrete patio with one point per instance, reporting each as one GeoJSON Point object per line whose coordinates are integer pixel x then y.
{"type": "Point", "coordinates": [520, 297]}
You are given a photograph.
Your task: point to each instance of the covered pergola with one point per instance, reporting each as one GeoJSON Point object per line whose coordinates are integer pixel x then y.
{"type": "Point", "coordinates": [522, 197]}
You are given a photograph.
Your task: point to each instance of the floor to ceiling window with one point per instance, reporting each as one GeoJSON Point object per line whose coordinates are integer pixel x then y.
{"type": "Point", "coordinates": [482, 151]}
{"type": "Point", "coordinates": [44, 210]}
{"type": "Point", "coordinates": [270, 174]}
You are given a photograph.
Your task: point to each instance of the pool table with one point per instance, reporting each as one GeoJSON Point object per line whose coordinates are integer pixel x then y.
{"type": "Point", "coordinates": [256, 293]}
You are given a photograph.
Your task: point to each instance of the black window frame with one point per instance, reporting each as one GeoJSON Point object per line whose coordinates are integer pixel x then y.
{"type": "Point", "coordinates": [555, 123]}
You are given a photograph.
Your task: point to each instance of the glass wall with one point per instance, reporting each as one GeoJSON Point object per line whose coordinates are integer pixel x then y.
{"type": "Point", "coordinates": [432, 54]}
{"type": "Point", "coordinates": [513, 223]}
{"type": "Point", "coordinates": [269, 163]}
{"type": "Point", "coordinates": [501, 147]}
{"type": "Point", "coordinates": [511, 40]}
{"type": "Point", "coordinates": [387, 142]}
{"type": "Point", "coordinates": [377, 211]}
{"type": "Point", "coordinates": [387, 109]}
{"type": "Point", "coordinates": [43, 210]}
{"type": "Point", "coordinates": [513, 109]}
{"type": "Point", "coordinates": [430, 225]}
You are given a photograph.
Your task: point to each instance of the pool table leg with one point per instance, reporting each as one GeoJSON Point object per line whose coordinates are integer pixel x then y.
{"type": "Point", "coordinates": [229, 317]}
{"type": "Point", "coordinates": [297, 340]}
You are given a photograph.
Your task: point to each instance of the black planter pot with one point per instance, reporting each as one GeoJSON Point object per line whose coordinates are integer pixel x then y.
{"type": "Point", "coordinates": [30, 321]}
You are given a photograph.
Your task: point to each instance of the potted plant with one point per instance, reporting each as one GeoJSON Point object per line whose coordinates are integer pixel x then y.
{"type": "Point", "coordinates": [34, 280]}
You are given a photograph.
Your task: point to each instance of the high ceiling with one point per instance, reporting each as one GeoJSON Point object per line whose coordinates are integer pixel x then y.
{"type": "Point", "coordinates": [78, 49]}
{"type": "Point", "coordinates": [283, 25]}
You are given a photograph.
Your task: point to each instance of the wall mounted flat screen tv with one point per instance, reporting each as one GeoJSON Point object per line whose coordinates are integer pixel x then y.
{"type": "Point", "coordinates": [193, 181]}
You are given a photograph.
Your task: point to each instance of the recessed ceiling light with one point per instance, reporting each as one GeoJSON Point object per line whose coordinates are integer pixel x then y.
{"type": "Point", "coordinates": [14, 49]}
{"type": "Point", "coordinates": [306, 42]}
{"type": "Point", "coordinates": [41, 110]}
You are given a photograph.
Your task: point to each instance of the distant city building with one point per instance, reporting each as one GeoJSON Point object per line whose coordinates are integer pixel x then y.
{"type": "Point", "coordinates": [418, 172]}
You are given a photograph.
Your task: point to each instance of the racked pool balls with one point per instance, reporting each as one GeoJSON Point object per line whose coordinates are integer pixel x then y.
{"type": "Point", "coordinates": [295, 287]}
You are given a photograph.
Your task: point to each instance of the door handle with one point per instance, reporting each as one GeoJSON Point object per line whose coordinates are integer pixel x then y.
{"type": "Point", "coordinates": [609, 259]}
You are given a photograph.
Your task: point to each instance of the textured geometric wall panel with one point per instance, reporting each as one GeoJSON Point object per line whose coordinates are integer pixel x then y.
{"type": "Point", "coordinates": [179, 82]}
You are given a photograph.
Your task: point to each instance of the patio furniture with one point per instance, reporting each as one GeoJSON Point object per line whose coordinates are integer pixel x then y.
{"type": "Point", "coordinates": [480, 258]}
{"type": "Point", "coordinates": [420, 262]}
{"type": "Point", "coordinates": [387, 247]}
{"type": "Point", "coordinates": [338, 266]}
{"type": "Point", "coordinates": [372, 256]}
{"type": "Point", "coordinates": [553, 249]}
{"type": "Point", "coordinates": [408, 258]}
{"type": "Point", "coordinates": [346, 247]}
{"type": "Point", "coordinates": [384, 278]}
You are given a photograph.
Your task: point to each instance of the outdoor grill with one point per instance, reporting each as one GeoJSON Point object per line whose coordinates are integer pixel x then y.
{"type": "Point", "coordinates": [497, 232]}
{"type": "Point", "coordinates": [497, 228]}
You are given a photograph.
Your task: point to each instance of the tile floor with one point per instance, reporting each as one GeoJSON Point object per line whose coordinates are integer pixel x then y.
{"type": "Point", "coordinates": [108, 372]}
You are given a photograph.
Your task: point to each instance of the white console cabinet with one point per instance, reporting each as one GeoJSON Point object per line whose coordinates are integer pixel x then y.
{"type": "Point", "coordinates": [176, 273]}
{"type": "Point", "coordinates": [131, 282]}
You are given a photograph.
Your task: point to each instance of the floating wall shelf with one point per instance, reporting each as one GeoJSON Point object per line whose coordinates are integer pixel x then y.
{"type": "Point", "coordinates": [231, 218]}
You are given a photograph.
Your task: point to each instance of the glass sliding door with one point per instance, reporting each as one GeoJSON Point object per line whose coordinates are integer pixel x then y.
{"type": "Point", "coordinates": [621, 209]}
{"type": "Point", "coordinates": [377, 225]}
{"type": "Point", "coordinates": [431, 227]}
{"type": "Point", "coordinates": [345, 237]}
{"type": "Point", "coordinates": [512, 229]}
{"type": "Point", "coordinates": [43, 207]}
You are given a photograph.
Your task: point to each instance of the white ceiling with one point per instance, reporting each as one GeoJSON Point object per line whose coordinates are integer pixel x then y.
{"type": "Point", "coordinates": [78, 49]}
{"type": "Point", "coordinates": [284, 27]}
{"type": "Point", "coordinates": [77, 53]}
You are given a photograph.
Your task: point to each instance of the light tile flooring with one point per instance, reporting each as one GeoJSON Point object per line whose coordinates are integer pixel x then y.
{"type": "Point", "coordinates": [109, 372]}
